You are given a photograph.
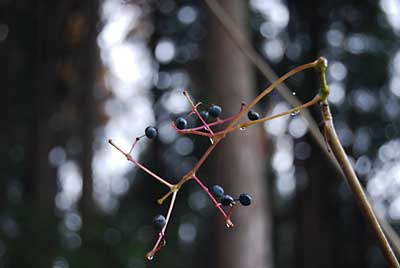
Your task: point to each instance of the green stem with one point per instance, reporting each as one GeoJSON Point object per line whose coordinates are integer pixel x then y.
{"type": "Point", "coordinates": [321, 66]}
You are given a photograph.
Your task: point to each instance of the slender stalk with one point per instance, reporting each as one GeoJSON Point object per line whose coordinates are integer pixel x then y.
{"type": "Point", "coordinates": [192, 131]}
{"type": "Point", "coordinates": [201, 161]}
{"type": "Point", "coordinates": [150, 254]}
{"type": "Point", "coordinates": [315, 100]}
{"type": "Point", "coordinates": [162, 199]}
{"type": "Point", "coordinates": [391, 234]}
{"type": "Point", "coordinates": [134, 143]}
{"type": "Point", "coordinates": [218, 122]}
{"type": "Point", "coordinates": [228, 222]}
{"type": "Point", "coordinates": [354, 183]}
{"type": "Point", "coordinates": [151, 173]}
{"type": "Point", "coordinates": [296, 110]}
{"type": "Point", "coordinates": [194, 109]}
{"type": "Point", "coordinates": [266, 91]}
{"type": "Point", "coordinates": [129, 157]}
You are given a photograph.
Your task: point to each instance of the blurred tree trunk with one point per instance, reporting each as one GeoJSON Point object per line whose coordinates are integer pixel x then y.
{"type": "Point", "coordinates": [44, 176]}
{"type": "Point", "coordinates": [65, 58]}
{"type": "Point", "coordinates": [239, 161]}
{"type": "Point", "coordinates": [85, 60]}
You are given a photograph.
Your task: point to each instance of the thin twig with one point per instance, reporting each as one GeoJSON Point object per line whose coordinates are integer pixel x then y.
{"type": "Point", "coordinates": [354, 184]}
{"type": "Point", "coordinates": [129, 158]}
{"type": "Point", "coordinates": [247, 49]}
{"type": "Point", "coordinates": [194, 109]}
{"type": "Point", "coordinates": [156, 247]}
{"type": "Point", "coordinates": [391, 234]}
{"type": "Point", "coordinates": [228, 221]}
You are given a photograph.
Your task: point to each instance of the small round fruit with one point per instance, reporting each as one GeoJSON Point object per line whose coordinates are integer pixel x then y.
{"type": "Point", "coordinates": [217, 191]}
{"type": "Point", "coordinates": [245, 199]}
{"type": "Point", "coordinates": [227, 200]}
{"type": "Point", "coordinates": [253, 115]}
{"type": "Point", "coordinates": [215, 110]}
{"type": "Point", "coordinates": [151, 132]}
{"type": "Point", "coordinates": [159, 221]}
{"type": "Point", "coordinates": [204, 115]}
{"type": "Point", "coordinates": [181, 123]}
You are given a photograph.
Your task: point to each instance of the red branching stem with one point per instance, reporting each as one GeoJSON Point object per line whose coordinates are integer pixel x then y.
{"type": "Point", "coordinates": [216, 203]}
{"type": "Point", "coordinates": [196, 130]}
{"type": "Point", "coordinates": [150, 172]}
{"type": "Point", "coordinates": [218, 122]}
{"type": "Point", "coordinates": [192, 131]}
{"type": "Point", "coordinates": [161, 234]}
{"type": "Point", "coordinates": [203, 121]}
{"type": "Point", "coordinates": [129, 157]}
{"type": "Point", "coordinates": [194, 109]}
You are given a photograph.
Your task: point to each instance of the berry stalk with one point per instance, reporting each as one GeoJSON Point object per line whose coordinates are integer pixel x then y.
{"type": "Point", "coordinates": [129, 158]}
{"type": "Point", "coordinates": [194, 109]}
{"type": "Point", "coordinates": [228, 221]}
{"type": "Point", "coordinates": [150, 254]}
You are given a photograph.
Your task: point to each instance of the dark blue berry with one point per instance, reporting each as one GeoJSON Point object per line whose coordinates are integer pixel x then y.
{"type": "Point", "coordinates": [215, 110]}
{"type": "Point", "coordinates": [252, 115]}
{"type": "Point", "coordinates": [217, 191]}
{"type": "Point", "coordinates": [204, 115]}
{"type": "Point", "coordinates": [151, 132]}
{"type": "Point", "coordinates": [159, 221]}
{"type": "Point", "coordinates": [227, 200]}
{"type": "Point", "coordinates": [181, 123]}
{"type": "Point", "coordinates": [245, 199]}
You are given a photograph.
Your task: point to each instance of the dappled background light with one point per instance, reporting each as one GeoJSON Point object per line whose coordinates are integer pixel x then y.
{"type": "Point", "coordinates": [143, 55]}
{"type": "Point", "coordinates": [130, 71]}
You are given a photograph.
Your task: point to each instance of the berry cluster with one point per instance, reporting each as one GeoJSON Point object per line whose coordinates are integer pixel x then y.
{"type": "Point", "coordinates": [209, 118]}
{"type": "Point", "coordinates": [227, 200]}
{"type": "Point", "coordinates": [213, 111]}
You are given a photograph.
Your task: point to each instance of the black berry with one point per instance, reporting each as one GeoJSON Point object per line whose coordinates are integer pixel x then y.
{"type": "Point", "coordinates": [181, 123]}
{"type": "Point", "coordinates": [215, 110]}
{"type": "Point", "coordinates": [204, 115]}
{"type": "Point", "coordinates": [217, 191]}
{"type": "Point", "coordinates": [227, 200]}
{"type": "Point", "coordinates": [245, 199]}
{"type": "Point", "coordinates": [252, 115]}
{"type": "Point", "coordinates": [159, 221]}
{"type": "Point", "coordinates": [151, 132]}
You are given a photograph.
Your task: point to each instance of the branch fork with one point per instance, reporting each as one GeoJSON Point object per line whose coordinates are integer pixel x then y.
{"type": "Point", "coordinates": [233, 124]}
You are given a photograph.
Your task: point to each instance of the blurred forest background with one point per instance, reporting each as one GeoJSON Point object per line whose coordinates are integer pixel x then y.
{"type": "Point", "coordinates": [76, 73]}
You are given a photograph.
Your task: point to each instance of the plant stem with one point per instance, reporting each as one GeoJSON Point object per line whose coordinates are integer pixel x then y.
{"type": "Point", "coordinates": [315, 100]}
{"type": "Point", "coordinates": [156, 247]}
{"type": "Point", "coordinates": [228, 222]}
{"type": "Point", "coordinates": [129, 158]}
{"type": "Point", "coordinates": [271, 87]}
{"type": "Point", "coordinates": [354, 184]}
{"type": "Point", "coordinates": [194, 109]}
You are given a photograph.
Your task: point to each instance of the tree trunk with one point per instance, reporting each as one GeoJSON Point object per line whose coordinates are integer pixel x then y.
{"type": "Point", "coordinates": [239, 161]}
